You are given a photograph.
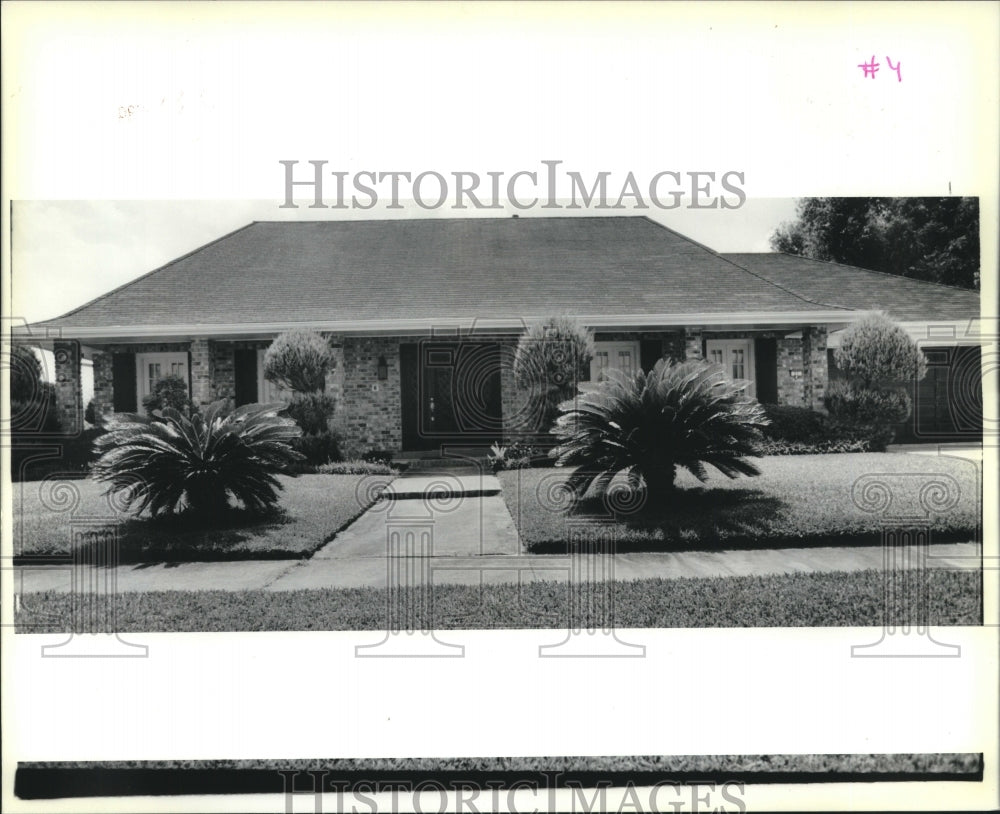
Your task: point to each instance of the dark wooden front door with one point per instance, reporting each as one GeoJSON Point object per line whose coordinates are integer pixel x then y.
{"type": "Point", "coordinates": [450, 394]}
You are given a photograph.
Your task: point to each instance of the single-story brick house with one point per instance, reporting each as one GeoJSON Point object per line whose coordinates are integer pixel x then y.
{"type": "Point", "coordinates": [423, 316]}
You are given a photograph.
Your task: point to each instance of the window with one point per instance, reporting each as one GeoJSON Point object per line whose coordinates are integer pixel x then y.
{"type": "Point", "coordinates": [623, 356]}
{"type": "Point", "coordinates": [268, 392]}
{"type": "Point", "coordinates": [151, 367]}
{"type": "Point", "coordinates": [736, 357]}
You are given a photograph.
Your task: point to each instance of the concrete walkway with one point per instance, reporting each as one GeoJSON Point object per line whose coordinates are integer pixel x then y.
{"type": "Point", "coordinates": [455, 529]}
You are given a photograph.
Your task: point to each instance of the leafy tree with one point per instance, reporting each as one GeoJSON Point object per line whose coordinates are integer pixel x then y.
{"type": "Point", "coordinates": [25, 374]}
{"type": "Point", "coordinates": [32, 401]}
{"type": "Point", "coordinates": [685, 414]}
{"type": "Point", "coordinates": [880, 363]}
{"type": "Point", "coordinates": [299, 360]}
{"type": "Point", "coordinates": [197, 462]}
{"type": "Point", "coordinates": [877, 352]}
{"type": "Point", "coordinates": [932, 239]}
{"type": "Point", "coordinates": [552, 356]}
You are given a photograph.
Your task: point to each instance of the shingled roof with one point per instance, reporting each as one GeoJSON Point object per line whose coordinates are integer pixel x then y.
{"type": "Point", "coordinates": [361, 271]}
{"type": "Point", "coordinates": [859, 289]}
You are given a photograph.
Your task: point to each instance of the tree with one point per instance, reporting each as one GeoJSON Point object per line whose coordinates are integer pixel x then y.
{"type": "Point", "coordinates": [880, 363]}
{"type": "Point", "coordinates": [25, 374]}
{"type": "Point", "coordinates": [877, 352]}
{"type": "Point", "coordinates": [32, 400]}
{"type": "Point", "coordinates": [299, 360]}
{"type": "Point", "coordinates": [932, 239]}
{"type": "Point", "coordinates": [551, 358]}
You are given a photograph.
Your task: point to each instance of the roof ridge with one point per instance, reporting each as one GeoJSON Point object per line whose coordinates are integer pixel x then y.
{"type": "Point", "coordinates": [870, 271]}
{"type": "Point", "coordinates": [147, 274]}
{"type": "Point", "coordinates": [725, 259]}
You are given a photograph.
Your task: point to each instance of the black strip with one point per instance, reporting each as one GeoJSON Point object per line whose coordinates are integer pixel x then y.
{"type": "Point", "coordinates": [55, 783]}
{"type": "Point", "coordinates": [123, 377]}
{"type": "Point", "coordinates": [245, 376]}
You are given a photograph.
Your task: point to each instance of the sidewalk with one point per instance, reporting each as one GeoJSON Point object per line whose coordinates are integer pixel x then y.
{"type": "Point", "coordinates": [455, 529]}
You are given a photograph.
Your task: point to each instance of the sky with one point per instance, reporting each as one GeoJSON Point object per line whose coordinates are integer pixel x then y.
{"type": "Point", "coordinates": [66, 253]}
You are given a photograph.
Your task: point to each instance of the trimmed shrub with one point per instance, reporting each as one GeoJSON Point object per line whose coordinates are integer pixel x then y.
{"type": "Point", "coordinates": [552, 356]}
{"type": "Point", "coordinates": [169, 392]}
{"type": "Point", "coordinates": [877, 353]}
{"type": "Point", "coordinates": [312, 412]}
{"type": "Point", "coordinates": [795, 424]}
{"type": "Point", "coordinates": [25, 374]}
{"type": "Point", "coordinates": [863, 405]}
{"type": "Point", "coordinates": [517, 455]}
{"type": "Point", "coordinates": [197, 462]}
{"type": "Point", "coordinates": [299, 360]}
{"type": "Point", "coordinates": [801, 431]}
{"type": "Point", "coordinates": [34, 424]}
{"type": "Point", "coordinates": [316, 449]}
{"type": "Point", "coordinates": [76, 457]}
{"type": "Point", "coordinates": [871, 413]}
{"type": "Point", "coordinates": [378, 456]}
{"type": "Point", "coordinates": [685, 414]}
{"type": "Point", "coordinates": [356, 468]}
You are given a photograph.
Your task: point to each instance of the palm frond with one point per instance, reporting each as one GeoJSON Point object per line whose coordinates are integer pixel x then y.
{"type": "Point", "coordinates": [687, 414]}
{"type": "Point", "coordinates": [171, 461]}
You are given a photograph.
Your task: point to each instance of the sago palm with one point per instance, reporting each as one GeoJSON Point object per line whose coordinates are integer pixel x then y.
{"type": "Point", "coordinates": [687, 414]}
{"type": "Point", "coordinates": [169, 461]}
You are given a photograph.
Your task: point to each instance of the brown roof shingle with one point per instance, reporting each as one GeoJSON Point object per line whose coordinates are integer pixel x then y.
{"type": "Point", "coordinates": [270, 272]}
{"type": "Point", "coordinates": [862, 290]}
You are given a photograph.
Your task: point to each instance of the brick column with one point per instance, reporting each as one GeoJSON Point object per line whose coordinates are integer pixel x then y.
{"type": "Point", "coordinates": [790, 371]}
{"type": "Point", "coordinates": [69, 391]}
{"type": "Point", "coordinates": [104, 384]}
{"type": "Point", "coordinates": [692, 345]}
{"type": "Point", "coordinates": [335, 375]}
{"type": "Point", "coordinates": [222, 371]}
{"type": "Point", "coordinates": [817, 373]}
{"type": "Point", "coordinates": [201, 372]}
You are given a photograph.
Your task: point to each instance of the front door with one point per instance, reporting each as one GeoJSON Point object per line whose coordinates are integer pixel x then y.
{"type": "Point", "coordinates": [736, 358]}
{"type": "Point", "coordinates": [450, 394]}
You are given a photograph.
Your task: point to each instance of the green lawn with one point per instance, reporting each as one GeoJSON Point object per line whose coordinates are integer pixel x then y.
{"type": "Point", "coordinates": [314, 508]}
{"type": "Point", "coordinates": [797, 500]}
{"type": "Point", "coordinates": [794, 600]}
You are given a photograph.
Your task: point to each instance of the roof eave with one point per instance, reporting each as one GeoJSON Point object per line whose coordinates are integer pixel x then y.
{"type": "Point", "coordinates": [147, 333]}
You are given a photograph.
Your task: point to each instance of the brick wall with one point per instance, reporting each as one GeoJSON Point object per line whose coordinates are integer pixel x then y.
{"type": "Point", "coordinates": [802, 369]}
{"type": "Point", "coordinates": [791, 372]}
{"type": "Point", "coordinates": [370, 415]}
{"type": "Point", "coordinates": [69, 389]}
{"type": "Point", "coordinates": [201, 372]}
{"type": "Point", "coordinates": [104, 385]}
{"type": "Point", "coordinates": [817, 370]}
{"type": "Point", "coordinates": [693, 344]}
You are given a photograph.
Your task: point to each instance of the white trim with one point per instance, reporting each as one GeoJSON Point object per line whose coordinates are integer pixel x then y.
{"type": "Point", "coordinates": [269, 392]}
{"type": "Point", "coordinates": [749, 361]}
{"type": "Point", "coordinates": [162, 357]}
{"type": "Point", "coordinates": [605, 321]}
{"type": "Point", "coordinates": [936, 333]}
{"type": "Point", "coordinates": [614, 347]}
